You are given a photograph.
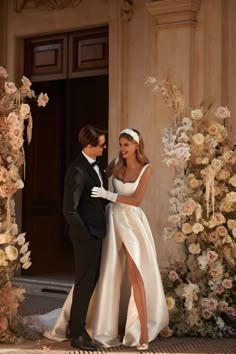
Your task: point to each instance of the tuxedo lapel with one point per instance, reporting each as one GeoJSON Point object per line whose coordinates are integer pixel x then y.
{"type": "Point", "coordinates": [94, 175]}
{"type": "Point", "coordinates": [90, 170]}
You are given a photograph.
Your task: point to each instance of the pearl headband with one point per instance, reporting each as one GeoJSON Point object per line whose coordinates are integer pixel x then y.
{"type": "Point", "coordinates": [132, 133]}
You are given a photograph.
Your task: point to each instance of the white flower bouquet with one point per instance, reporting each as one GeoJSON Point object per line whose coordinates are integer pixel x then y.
{"type": "Point", "coordinates": [202, 218]}
{"type": "Point", "coordinates": [15, 114]}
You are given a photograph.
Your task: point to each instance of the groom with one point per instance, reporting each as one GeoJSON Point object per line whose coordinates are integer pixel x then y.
{"type": "Point", "coordinates": [87, 226]}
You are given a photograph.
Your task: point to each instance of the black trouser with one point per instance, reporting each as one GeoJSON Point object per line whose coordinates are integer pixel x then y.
{"type": "Point", "coordinates": [87, 264]}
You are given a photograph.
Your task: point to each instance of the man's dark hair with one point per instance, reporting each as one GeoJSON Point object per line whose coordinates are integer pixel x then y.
{"type": "Point", "coordinates": [90, 135]}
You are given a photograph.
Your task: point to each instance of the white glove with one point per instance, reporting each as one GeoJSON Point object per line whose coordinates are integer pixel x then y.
{"type": "Point", "coordinates": [100, 192]}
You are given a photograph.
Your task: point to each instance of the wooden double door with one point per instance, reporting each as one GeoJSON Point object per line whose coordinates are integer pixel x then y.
{"type": "Point", "coordinates": [79, 98]}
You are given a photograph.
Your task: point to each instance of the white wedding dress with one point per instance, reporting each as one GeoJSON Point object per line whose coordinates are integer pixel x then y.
{"type": "Point", "coordinates": [112, 299]}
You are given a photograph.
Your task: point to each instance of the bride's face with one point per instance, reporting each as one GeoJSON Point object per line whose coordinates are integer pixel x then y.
{"type": "Point", "coordinates": [127, 148]}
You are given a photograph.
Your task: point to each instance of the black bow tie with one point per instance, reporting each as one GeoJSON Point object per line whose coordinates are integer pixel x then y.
{"type": "Point", "coordinates": [95, 163]}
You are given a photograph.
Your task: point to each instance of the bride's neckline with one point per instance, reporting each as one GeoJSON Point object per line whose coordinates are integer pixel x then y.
{"type": "Point", "coordinates": [140, 173]}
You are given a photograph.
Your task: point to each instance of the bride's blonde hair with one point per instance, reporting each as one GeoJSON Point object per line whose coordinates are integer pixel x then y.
{"type": "Point", "coordinates": [120, 163]}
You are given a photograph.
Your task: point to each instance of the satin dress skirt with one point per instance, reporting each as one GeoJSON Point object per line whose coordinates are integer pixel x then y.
{"type": "Point", "coordinates": [112, 316]}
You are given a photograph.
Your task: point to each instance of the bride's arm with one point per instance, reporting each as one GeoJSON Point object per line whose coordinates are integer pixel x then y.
{"type": "Point", "coordinates": [136, 198]}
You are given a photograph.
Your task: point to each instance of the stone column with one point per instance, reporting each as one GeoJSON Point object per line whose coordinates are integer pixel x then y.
{"type": "Point", "coordinates": [229, 54]}
{"type": "Point", "coordinates": [3, 33]}
{"type": "Point", "coordinates": [175, 25]}
{"type": "Point", "coordinates": [173, 32]}
{"type": "Point", "coordinates": [118, 23]}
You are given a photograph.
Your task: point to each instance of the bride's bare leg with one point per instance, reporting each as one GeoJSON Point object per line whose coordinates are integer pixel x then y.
{"type": "Point", "coordinates": [139, 296]}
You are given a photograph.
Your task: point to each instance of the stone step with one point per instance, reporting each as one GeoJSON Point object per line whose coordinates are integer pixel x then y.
{"type": "Point", "coordinates": [46, 286]}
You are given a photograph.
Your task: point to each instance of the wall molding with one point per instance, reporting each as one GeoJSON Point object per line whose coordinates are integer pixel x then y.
{"type": "Point", "coordinates": [21, 5]}
{"type": "Point", "coordinates": [127, 10]}
{"type": "Point", "coordinates": [169, 13]}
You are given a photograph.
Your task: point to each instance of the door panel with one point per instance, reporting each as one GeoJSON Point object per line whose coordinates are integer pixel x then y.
{"type": "Point", "coordinates": [88, 53]}
{"type": "Point", "coordinates": [87, 104]}
{"type": "Point", "coordinates": [46, 57]}
{"type": "Point", "coordinates": [42, 202]}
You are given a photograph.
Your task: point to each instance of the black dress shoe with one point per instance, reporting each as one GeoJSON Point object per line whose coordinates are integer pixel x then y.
{"type": "Point", "coordinates": [86, 335]}
{"type": "Point", "coordinates": [83, 343]}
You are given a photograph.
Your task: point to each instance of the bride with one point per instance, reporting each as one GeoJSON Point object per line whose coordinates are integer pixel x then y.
{"type": "Point", "coordinates": [128, 246]}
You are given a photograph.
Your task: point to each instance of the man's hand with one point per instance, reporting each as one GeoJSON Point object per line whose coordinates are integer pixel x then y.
{"type": "Point", "coordinates": [100, 192]}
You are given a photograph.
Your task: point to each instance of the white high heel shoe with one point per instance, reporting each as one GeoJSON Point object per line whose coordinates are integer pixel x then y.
{"type": "Point", "coordinates": [142, 347]}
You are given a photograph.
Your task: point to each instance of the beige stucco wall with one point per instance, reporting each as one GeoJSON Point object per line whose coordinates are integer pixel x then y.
{"type": "Point", "coordinates": [190, 42]}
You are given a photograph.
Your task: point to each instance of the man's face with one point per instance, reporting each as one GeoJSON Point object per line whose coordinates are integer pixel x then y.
{"type": "Point", "coordinates": [98, 150]}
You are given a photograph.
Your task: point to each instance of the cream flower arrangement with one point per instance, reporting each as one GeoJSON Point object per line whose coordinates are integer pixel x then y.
{"type": "Point", "coordinates": [202, 217]}
{"type": "Point", "coordinates": [15, 115]}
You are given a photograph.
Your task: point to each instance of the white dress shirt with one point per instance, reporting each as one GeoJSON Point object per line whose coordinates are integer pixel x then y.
{"type": "Point", "coordinates": [96, 168]}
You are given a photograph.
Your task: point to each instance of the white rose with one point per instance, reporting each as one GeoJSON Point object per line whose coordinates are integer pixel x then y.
{"type": "Point", "coordinates": [24, 110]}
{"type": "Point", "coordinates": [198, 139]}
{"type": "Point", "coordinates": [11, 253]}
{"type": "Point", "coordinates": [197, 227]}
{"type": "Point", "coordinates": [12, 119]}
{"type": "Point", "coordinates": [232, 180]}
{"type": "Point", "coordinates": [5, 238]}
{"type": "Point", "coordinates": [3, 72]}
{"type": "Point", "coordinates": [179, 237]}
{"type": "Point", "coordinates": [186, 228]}
{"type": "Point", "coordinates": [194, 248]}
{"type": "Point", "coordinates": [188, 207]}
{"type": "Point", "coordinates": [186, 122]}
{"type": "Point", "coordinates": [10, 88]}
{"type": "Point", "coordinates": [203, 261]}
{"type": "Point", "coordinates": [9, 159]}
{"type": "Point", "coordinates": [205, 160]}
{"type": "Point", "coordinates": [231, 223]}
{"type": "Point", "coordinates": [19, 184]}
{"type": "Point", "coordinates": [194, 183]}
{"type": "Point", "coordinates": [222, 112]}
{"type": "Point", "coordinates": [231, 197]}
{"type": "Point", "coordinates": [213, 129]}
{"type": "Point", "coordinates": [196, 114]}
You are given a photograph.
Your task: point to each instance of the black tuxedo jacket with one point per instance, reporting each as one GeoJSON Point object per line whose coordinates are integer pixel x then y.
{"type": "Point", "coordinates": [84, 214]}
